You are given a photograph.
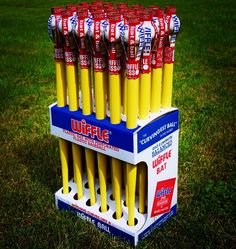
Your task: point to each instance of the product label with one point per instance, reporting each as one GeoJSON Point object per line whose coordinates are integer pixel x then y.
{"type": "Point", "coordinates": [122, 29]}
{"type": "Point", "coordinates": [132, 46]}
{"type": "Point", "coordinates": [97, 36]}
{"type": "Point", "coordinates": [81, 29]}
{"type": "Point", "coordinates": [141, 38]}
{"type": "Point", "coordinates": [65, 32]}
{"type": "Point", "coordinates": [154, 24]}
{"type": "Point", "coordinates": [157, 58]}
{"type": "Point", "coordinates": [84, 59]}
{"type": "Point", "coordinates": [157, 52]}
{"type": "Point", "coordinates": [99, 59]}
{"type": "Point", "coordinates": [168, 18]}
{"type": "Point", "coordinates": [163, 197]}
{"type": "Point", "coordinates": [114, 64]}
{"type": "Point", "coordinates": [133, 64]}
{"type": "Point", "coordinates": [54, 34]}
{"type": "Point", "coordinates": [146, 64]}
{"type": "Point", "coordinates": [169, 53]}
{"type": "Point", "coordinates": [89, 23]}
{"type": "Point", "coordinates": [132, 69]}
{"type": "Point", "coordinates": [146, 58]}
{"type": "Point", "coordinates": [176, 23]}
{"type": "Point", "coordinates": [148, 39]}
{"type": "Point", "coordinates": [58, 53]}
{"type": "Point", "coordinates": [169, 50]}
{"type": "Point", "coordinates": [70, 54]}
{"type": "Point", "coordinates": [99, 62]}
{"type": "Point", "coordinates": [112, 32]}
{"type": "Point", "coordinates": [162, 32]}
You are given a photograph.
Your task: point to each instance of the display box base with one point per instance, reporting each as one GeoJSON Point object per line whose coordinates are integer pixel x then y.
{"type": "Point", "coordinates": [106, 221]}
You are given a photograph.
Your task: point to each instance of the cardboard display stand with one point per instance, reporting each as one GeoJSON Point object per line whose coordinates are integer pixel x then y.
{"type": "Point", "coordinates": [154, 141]}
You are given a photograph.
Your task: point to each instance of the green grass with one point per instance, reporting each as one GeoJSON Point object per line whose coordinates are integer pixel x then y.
{"type": "Point", "coordinates": [204, 91]}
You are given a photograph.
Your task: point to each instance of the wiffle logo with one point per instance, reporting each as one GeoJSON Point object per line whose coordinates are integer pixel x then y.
{"type": "Point", "coordinates": [163, 192]}
{"type": "Point", "coordinates": [88, 130]}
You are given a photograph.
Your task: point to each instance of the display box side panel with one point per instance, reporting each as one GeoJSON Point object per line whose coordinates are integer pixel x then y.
{"type": "Point", "coordinates": [162, 168]}
{"type": "Point", "coordinates": [163, 174]}
{"type": "Point", "coordinates": [157, 130]}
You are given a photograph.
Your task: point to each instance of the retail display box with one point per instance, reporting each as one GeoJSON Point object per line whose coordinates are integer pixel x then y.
{"type": "Point", "coordinates": [154, 142]}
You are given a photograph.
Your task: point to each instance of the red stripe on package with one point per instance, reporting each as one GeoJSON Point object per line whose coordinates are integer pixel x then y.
{"type": "Point", "coordinates": [132, 66]}
{"type": "Point", "coordinates": [170, 10]}
{"type": "Point", "coordinates": [157, 53]}
{"type": "Point", "coordinates": [147, 56]}
{"type": "Point", "coordinates": [169, 55]}
{"type": "Point", "coordinates": [97, 35]}
{"type": "Point", "coordinates": [58, 54]}
{"type": "Point", "coordinates": [84, 58]}
{"type": "Point", "coordinates": [146, 64]}
{"type": "Point", "coordinates": [58, 46]}
{"type": "Point", "coordinates": [99, 60]}
{"type": "Point", "coordinates": [157, 57]}
{"type": "Point", "coordinates": [169, 52]}
{"type": "Point", "coordinates": [132, 69]}
{"type": "Point", "coordinates": [70, 54]}
{"type": "Point", "coordinates": [114, 61]}
{"type": "Point", "coordinates": [112, 32]}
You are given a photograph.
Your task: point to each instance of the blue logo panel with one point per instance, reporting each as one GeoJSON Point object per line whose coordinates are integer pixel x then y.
{"type": "Point", "coordinates": [157, 130]}
{"type": "Point", "coordinates": [88, 126]}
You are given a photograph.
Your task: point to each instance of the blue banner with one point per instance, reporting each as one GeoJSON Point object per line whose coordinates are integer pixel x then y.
{"type": "Point", "coordinates": [88, 126]}
{"type": "Point", "coordinates": [157, 130]}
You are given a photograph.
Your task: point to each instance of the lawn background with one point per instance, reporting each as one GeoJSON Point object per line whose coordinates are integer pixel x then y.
{"type": "Point", "coordinates": [204, 91]}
